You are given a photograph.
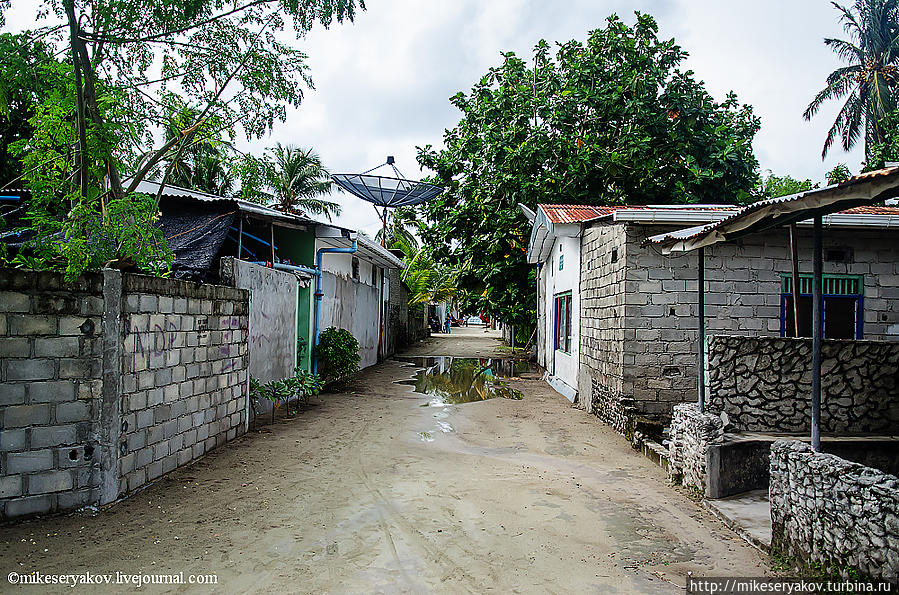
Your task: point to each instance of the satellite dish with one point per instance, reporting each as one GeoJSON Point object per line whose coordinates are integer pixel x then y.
{"type": "Point", "coordinates": [387, 191]}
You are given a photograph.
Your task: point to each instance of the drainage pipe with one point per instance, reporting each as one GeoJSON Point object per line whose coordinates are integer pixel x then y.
{"type": "Point", "coordinates": [319, 294]}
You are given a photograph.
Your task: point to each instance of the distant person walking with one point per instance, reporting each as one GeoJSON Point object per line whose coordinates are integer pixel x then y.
{"type": "Point", "coordinates": [448, 325]}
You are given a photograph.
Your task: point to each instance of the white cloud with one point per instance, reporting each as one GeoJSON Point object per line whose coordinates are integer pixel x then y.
{"type": "Point", "coordinates": [383, 82]}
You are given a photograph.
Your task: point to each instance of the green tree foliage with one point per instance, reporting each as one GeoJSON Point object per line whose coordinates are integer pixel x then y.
{"type": "Point", "coordinates": [868, 81]}
{"type": "Point", "coordinates": [839, 173]}
{"type": "Point", "coordinates": [610, 121]}
{"type": "Point", "coordinates": [130, 65]}
{"type": "Point", "coordinates": [22, 87]}
{"type": "Point", "coordinates": [338, 355]}
{"type": "Point", "coordinates": [299, 180]}
{"type": "Point", "coordinates": [879, 153]}
{"type": "Point", "coordinates": [428, 281]}
{"type": "Point", "coordinates": [772, 186]}
{"type": "Point", "coordinates": [401, 224]}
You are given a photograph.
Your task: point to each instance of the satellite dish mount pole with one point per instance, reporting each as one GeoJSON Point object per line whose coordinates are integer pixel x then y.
{"type": "Point", "coordinates": [384, 228]}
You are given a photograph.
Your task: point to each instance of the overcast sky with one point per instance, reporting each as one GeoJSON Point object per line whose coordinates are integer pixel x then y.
{"type": "Point", "coordinates": [383, 82]}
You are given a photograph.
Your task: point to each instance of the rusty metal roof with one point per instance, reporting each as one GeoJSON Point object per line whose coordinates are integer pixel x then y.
{"type": "Point", "coordinates": [574, 213]}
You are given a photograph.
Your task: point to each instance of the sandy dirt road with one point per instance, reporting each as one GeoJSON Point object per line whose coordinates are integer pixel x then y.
{"type": "Point", "coordinates": [371, 492]}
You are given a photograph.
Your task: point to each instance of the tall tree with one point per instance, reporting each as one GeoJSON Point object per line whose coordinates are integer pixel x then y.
{"type": "Point", "coordinates": [23, 84]}
{"type": "Point", "coordinates": [610, 121]}
{"type": "Point", "coordinates": [401, 224]}
{"type": "Point", "coordinates": [868, 81]}
{"type": "Point", "coordinates": [130, 63]}
{"type": "Point", "coordinates": [299, 179]}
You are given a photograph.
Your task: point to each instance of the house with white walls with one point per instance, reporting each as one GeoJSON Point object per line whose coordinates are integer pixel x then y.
{"type": "Point", "coordinates": [555, 247]}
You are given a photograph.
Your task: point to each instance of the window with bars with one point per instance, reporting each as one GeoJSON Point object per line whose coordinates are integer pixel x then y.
{"type": "Point", "coordinates": [843, 306]}
{"type": "Point", "coordinates": [563, 322]}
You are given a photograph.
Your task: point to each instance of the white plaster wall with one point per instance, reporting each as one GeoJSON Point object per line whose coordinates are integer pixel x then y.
{"type": "Point", "coordinates": [273, 320]}
{"type": "Point", "coordinates": [562, 366]}
{"type": "Point", "coordinates": [351, 304]}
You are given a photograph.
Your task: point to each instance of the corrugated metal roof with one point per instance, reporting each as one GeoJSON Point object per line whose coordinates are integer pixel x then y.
{"type": "Point", "coordinates": [868, 187]}
{"type": "Point", "coordinates": [574, 213]}
{"type": "Point", "coordinates": [875, 210]}
{"type": "Point", "coordinates": [583, 213]}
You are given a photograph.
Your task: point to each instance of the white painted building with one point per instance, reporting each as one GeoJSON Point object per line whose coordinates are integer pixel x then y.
{"type": "Point", "coordinates": [555, 247]}
{"type": "Point", "coordinates": [357, 293]}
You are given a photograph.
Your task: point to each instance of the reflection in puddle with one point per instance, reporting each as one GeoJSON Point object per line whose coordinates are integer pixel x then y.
{"type": "Point", "coordinates": [452, 380]}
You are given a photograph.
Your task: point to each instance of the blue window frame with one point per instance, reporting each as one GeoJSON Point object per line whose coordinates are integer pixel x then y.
{"type": "Point", "coordinates": [844, 316]}
{"type": "Point", "coordinates": [562, 322]}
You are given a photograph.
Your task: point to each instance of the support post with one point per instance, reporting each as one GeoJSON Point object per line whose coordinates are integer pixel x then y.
{"type": "Point", "coordinates": [794, 257]}
{"type": "Point", "coordinates": [272, 228]}
{"type": "Point", "coordinates": [239, 236]}
{"type": "Point", "coordinates": [817, 335]}
{"type": "Point", "coordinates": [701, 371]}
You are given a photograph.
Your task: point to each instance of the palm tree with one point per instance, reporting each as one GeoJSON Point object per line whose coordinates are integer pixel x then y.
{"type": "Point", "coordinates": [299, 178]}
{"type": "Point", "coordinates": [869, 79]}
{"type": "Point", "coordinates": [398, 224]}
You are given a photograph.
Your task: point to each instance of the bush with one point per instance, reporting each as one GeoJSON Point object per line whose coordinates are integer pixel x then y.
{"type": "Point", "coordinates": [338, 355]}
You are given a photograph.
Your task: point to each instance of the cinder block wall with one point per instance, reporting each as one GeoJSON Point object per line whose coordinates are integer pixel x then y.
{"type": "Point", "coordinates": [603, 384]}
{"type": "Point", "coordinates": [184, 365]}
{"type": "Point", "coordinates": [84, 404]}
{"type": "Point", "coordinates": [50, 348]}
{"type": "Point", "coordinates": [658, 348]}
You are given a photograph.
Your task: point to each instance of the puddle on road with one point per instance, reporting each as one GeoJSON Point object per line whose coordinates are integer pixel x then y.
{"type": "Point", "coordinates": [454, 380]}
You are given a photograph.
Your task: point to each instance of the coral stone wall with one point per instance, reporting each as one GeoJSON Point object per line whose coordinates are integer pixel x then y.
{"type": "Point", "coordinates": [833, 512]}
{"type": "Point", "coordinates": [691, 435]}
{"type": "Point", "coordinates": [763, 384]}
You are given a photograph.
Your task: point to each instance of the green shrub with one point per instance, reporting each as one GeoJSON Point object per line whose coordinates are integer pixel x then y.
{"type": "Point", "coordinates": [338, 355]}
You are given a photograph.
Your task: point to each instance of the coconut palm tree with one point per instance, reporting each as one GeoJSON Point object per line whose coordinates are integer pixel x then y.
{"type": "Point", "coordinates": [299, 179]}
{"type": "Point", "coordinates": [398, 223]}
{"type": "Point", "coordinates": [871, 76]}
{"type": "Point", "coordinates": [868, 81]}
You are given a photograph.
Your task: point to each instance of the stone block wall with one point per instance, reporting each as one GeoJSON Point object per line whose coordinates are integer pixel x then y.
{"type": "Point", "coordinates": [640, 317]}
{"type": "Point", "coordinates": [110, 381]}
{"type": "Point", "coordinates": [50, 377]}
{"type": "Point", "coordinates": [602, 385]}
{"type": "Point", "coordinates": [692, 434]}
{"type": "Point", "coordinates": [833, 512]}
{"type": "Point", "coordinates": [184, 368]}
{"type": "Point", "coordinates": [763, 384]}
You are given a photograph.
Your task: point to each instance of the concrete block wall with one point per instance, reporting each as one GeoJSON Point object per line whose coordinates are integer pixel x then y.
{"type": "Point", "coordinates": [50, 377]}
{"type": "Point", "coordinates": [763, 384]}
{"type": "Point", "coordinates": [602, 382]}
{"type": "Point", "coordinates": [832, 512]}
{"type": "Point", "coordinates": [84, 403]}
{"type": "Point", "coordinates": [184, 366]}
{"type": "Point", "coordinates": [656, 336]}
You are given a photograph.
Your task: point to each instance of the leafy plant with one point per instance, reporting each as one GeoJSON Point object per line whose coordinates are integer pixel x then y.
{"type": "Point", "coordinates": [301, 385]}
{"type": "Point", "coordinates": [338, 355]}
